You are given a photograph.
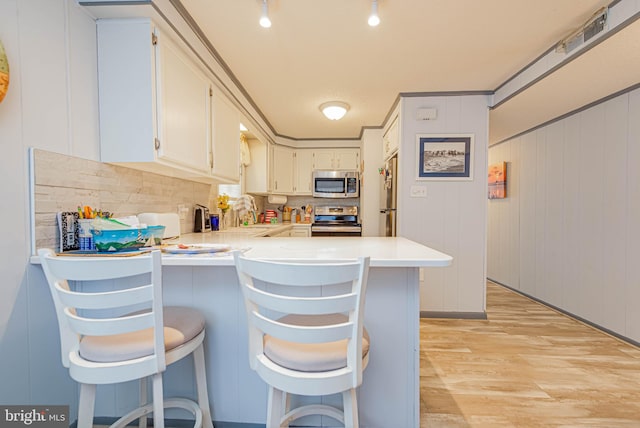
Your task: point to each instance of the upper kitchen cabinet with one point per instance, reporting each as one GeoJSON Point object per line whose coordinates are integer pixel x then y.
{"type": "Point", "coordinates": [336, 159]}
{"type": "Point", "coordinates": [302, 170]}
{"type": "Point", "coordinates": [390, 140]}
{"type": "Point", "coordinates": [282, 171]}
{"type": "Point", "coordinates": [226, 138]}
{"type": "Point", "coordinates": [154, 100]}
{"type": "Point", "coordinates": [256, 174]}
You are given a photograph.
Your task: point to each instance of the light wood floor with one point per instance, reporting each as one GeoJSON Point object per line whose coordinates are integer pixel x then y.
{"type": "Point", "coordinates": [525, 366]}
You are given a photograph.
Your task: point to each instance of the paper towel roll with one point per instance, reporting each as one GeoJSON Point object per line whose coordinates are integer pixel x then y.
{"type": "Point", "coordinates": [277, 199]}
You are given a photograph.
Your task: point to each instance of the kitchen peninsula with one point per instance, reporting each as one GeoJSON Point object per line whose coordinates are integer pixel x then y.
{"type": "Point", "coordinates": [389, 395]}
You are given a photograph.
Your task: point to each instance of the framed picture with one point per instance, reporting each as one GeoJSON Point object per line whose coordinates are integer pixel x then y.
{"type": "Point", "coordinates": [445, 157]}
{"type": "Point", "coordinates": [497, 180]}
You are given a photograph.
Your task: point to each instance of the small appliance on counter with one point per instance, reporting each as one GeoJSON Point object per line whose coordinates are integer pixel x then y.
{"type": "Point", "coordinates": [202, 220]}
{"type": "Point", "coordinates": [171, 222]}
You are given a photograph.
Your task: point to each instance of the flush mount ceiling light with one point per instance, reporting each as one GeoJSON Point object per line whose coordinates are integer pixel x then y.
{"type": "Point", "coordinates": [264, 19]}
{"type": "Point", "coordinates": [334, 110]}
{"type": "Point", "coordinates": [374, 19]}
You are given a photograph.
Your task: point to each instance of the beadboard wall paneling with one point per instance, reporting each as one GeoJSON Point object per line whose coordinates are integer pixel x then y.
{"type": "Point", "coordinates": [632, 289]}
{"type": "Point", "coordinates": [574, 199]}
{"type": "Point", "coordinates": [63, 182]}
{"type": "Point", "coordinates": [452, 217]}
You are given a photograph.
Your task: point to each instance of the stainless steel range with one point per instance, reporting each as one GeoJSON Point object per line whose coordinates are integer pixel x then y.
{"type": "Point", "coordinates": [336, 221]}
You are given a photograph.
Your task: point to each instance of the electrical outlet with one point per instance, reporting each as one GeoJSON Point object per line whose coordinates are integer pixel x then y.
{"type": "Point", "coordinates": [182, 211]}
{"type": "Point", "coordinates": [418, 191]}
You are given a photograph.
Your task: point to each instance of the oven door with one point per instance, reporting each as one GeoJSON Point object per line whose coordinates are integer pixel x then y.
{"type": "Point", "coordinates": [319, 230]}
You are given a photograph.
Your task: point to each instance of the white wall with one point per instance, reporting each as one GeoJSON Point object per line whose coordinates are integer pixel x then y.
{"type": "Point", "coordinates": [370, 204]}
{"type": "Point", "coordinates": [452, 218]}
{"type": "Point", "coordinates": [52, 105]}
{"type": "Point", "coordinates": [569, 229]}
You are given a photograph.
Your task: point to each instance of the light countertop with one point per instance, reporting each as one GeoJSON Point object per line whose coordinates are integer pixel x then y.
{"type": "Point", "coordinates": [383, 251]}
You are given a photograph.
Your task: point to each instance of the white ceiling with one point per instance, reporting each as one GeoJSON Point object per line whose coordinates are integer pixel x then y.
{"type": "Point", "coordinates": [323, 50]}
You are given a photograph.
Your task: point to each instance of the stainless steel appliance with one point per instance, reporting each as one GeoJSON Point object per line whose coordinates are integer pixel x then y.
{"type": "Point", "coordinates": [202, 220]}
{"type": "Point", "coordinates": [389, 198]}
{"type": "Point", "coordinates": [336, 184]}
{"type": "Point", "coordinates": [336, 221]}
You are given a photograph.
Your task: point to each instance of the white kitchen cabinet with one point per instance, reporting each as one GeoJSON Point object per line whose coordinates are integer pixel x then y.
{"type": "Point", "coordinates": [257, 172]}
{"type": "Point", "coordinates": [336, 159]}
{"type": "Point", "coordinates": [282, 171]}
{"type": "Point", "coordinates": [153, 98]}
{"type": "Point", "coordinates": [391, 140]}
{"type": "Point", "coordinates": [226, 138]}
{"type": "Point", "coordinates": [301, 230]}
{"type": "Point", "coordinates": [302, 169]}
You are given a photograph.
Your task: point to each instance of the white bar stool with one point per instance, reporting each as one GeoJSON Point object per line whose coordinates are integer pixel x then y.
{"type": "Point", "coordinates": [124, 345]}
{"type": "Point", "coordinates": [306, 345]}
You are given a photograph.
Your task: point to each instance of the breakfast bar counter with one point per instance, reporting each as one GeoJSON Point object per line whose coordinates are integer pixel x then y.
{"type": "Point", "coordinates": [389, 395]}
{"type": "Point", "coordinates": [390, 392]}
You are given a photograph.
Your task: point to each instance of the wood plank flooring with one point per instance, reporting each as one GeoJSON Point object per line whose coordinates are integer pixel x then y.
{"type": "Point", "coordinates": [525, 366]}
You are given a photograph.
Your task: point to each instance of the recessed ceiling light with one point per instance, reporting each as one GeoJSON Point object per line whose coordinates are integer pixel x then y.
{"type": "Point", "coordinates": [334, 110]}
{"type": "Point", "coordinates": [374, 19]}
{"type": "Point", "coordinates": [264, 19]}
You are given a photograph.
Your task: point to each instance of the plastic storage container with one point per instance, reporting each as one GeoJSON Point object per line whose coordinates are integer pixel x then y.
{"type": "Point", "coordinates": [118, 240]}
{"type": "Point", "coordinates": [153, 235]}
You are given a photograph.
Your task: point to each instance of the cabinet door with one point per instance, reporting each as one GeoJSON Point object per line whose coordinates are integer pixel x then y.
{"type": "Point", "coordinates": [286, 233]}
{"type": "Point", "coordinates": [183, 108]}
{"type": "Point", "coordinates": [303, 169]}
{"type": "Point", "coordinates": [301, 231]}
{"type": "Point", "coordinates": [323, 159]}
{"type": "Point", "coordinates": [226, 139]}
{"type": "Point", "coordinates": [347, 159]}
{"type": "Point", "coordinates": [282, 170]}
{"type": "Point", "coordinates": [126, 68]}
{"type": "Point", "coordinates": [390, 140]}
{"type": "Point", "coordinates": [256, 177]}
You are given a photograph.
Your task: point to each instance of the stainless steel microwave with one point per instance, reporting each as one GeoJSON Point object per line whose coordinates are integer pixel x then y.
{"type": "Point", "coordinates": [336, 184]}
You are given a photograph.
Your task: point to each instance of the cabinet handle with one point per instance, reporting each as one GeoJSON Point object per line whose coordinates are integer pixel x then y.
{"type": "Point", "coordinates": [156, 144]}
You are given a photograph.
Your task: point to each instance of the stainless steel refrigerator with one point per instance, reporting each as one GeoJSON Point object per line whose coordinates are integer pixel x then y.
{"type": "Point", "coordinates": [389, 197]}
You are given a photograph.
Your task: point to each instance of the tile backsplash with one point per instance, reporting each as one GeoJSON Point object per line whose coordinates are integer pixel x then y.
{"type": "Point", "coordinates": [63, 182]}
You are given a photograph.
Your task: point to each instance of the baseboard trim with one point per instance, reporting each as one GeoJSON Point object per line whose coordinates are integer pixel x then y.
{"type": "Point", "coordinates": [454, 315]}
{"type": "Point", "coordinates": [569, 314]}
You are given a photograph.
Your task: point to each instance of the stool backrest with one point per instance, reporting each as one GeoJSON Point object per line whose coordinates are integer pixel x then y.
{"type": "Point", "coordinates": [272, 289]}
{"type": "Point", "coordinates": [82, 311]}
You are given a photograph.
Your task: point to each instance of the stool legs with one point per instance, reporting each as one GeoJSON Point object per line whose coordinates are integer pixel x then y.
{"type": "Point", "coordinates": [274, 407]}
{"type": "Point", "coordinates": [201, 386]}
{"type": "Point", "coordinates": [158, 401]}
{"type": "Point", "coordinates": [350, 404]}
{"type": "Point", "coordinates": [86, 405]}
{"type": "Point", "coordinates": [142, 423]}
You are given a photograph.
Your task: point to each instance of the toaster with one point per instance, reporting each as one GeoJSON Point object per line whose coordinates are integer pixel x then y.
{"type": "Point", "coordinates": [202, 220]}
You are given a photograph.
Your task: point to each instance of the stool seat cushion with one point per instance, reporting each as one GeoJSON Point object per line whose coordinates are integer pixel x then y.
{"type": "Point", "coordinates": [311, 357]}
{"type": "Point", "coordinates": [181, 324]}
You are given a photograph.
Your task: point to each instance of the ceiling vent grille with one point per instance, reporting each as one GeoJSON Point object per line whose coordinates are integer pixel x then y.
{"type": "Point", "coordinates": [595, 25]}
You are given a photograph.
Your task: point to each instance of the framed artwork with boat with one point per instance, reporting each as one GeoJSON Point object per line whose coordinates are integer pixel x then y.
{"type": "Point", "coordinates": [444, 157]}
